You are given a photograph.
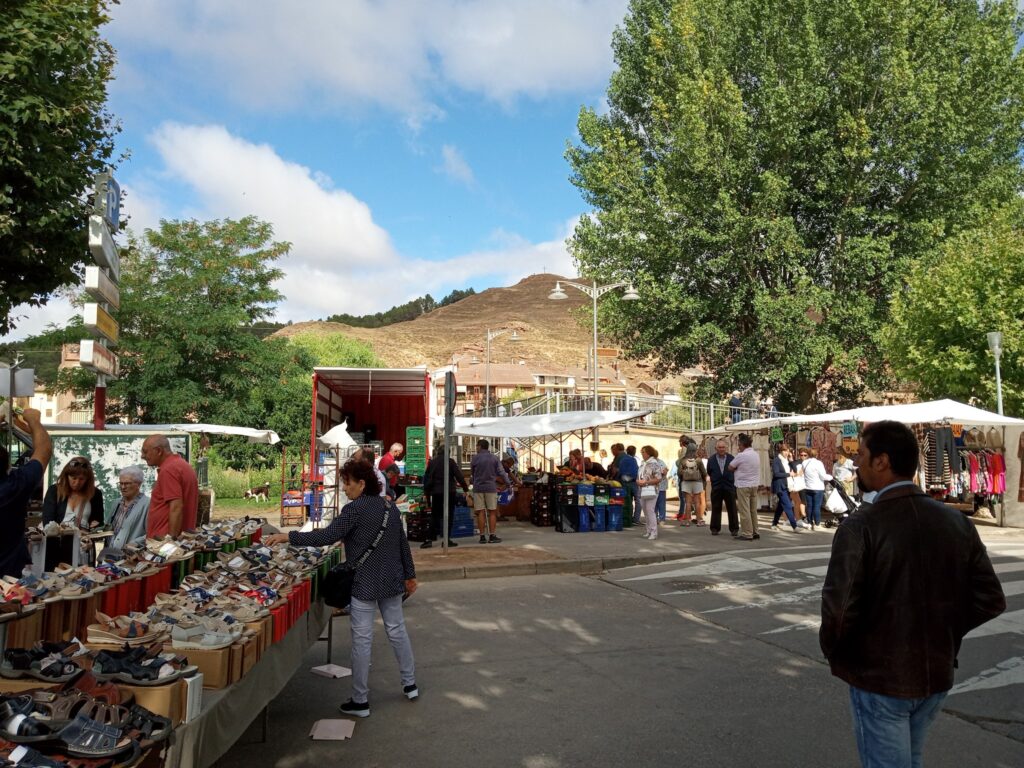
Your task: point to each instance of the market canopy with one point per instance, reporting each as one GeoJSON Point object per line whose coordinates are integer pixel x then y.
{"type": "Point", "coordinates": [541, 424]}
{"type": "Point", "coordinates": [267, 436]}
{"type": "Point", "coordinates": [931, 412]}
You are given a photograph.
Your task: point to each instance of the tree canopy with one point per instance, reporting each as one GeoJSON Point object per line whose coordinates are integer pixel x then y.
{"type": "Point", "coordinates": [55, 136]}
{"type": "Point", "coordinates": [768, 172]}
{"type": "Point", "coordinates": [402, 313]}
{"type": "Point", "coordinates": [971, 285]}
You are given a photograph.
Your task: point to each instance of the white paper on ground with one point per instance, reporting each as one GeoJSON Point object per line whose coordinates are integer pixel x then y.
{"type": "Point", "coordinates": [331, 670]}
{"type": "Point", "coordinates": [332, 730]}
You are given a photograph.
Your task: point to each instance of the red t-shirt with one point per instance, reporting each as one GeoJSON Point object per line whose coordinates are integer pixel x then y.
{"type": "Point", "coordinates": [386, 461]}
{"type": "Point", "coordinates": [175, 480]}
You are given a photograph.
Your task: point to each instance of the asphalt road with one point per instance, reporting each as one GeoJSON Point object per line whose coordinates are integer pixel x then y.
{"type": "Point", "coordinates": [710, 661]}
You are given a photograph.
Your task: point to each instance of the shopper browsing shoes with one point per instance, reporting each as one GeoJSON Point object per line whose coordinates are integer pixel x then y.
{"type": "Point", "coordinates": [485, 469]}
{"type": "Point", "coordinates": [380, 582]}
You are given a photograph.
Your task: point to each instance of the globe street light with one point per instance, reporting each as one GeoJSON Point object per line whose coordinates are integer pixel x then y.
{"type": "Point", "coordinates": [487, 366]}
{"type": "Point", "coordinates": [995, 343]}
{"type": "Point", "coordinates": [594, 291]}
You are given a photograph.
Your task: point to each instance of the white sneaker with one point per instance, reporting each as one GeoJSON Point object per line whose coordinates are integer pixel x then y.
{"type": "Point", "coordinates": [775, 527]}
{"type": "Point", "coordinates": [645, 535]}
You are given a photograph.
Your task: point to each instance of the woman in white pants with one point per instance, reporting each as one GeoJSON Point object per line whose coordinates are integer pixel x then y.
{"type": "Point", "coordinates": [651, 473]}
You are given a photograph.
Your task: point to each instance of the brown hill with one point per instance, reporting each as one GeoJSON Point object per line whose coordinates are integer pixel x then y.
{"type": "Point", "coordinates": [553, 332]}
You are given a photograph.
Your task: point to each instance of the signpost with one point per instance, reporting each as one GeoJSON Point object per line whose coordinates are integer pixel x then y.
{"type": "Point", "coordinates": [450, 393]}
{"type": "Point", "coordinates": [101, 283]}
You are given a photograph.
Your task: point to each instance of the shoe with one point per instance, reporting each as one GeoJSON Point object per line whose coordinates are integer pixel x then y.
{"type": "Point", "coordinates": [483, 539]}
{"type": "Point", "coordinates": [426, 544]}
{"type": "Point", "coordinates": [652, 538]}
{"type": "Point", "coordinates": [411, 692]}
{"type": "Point", "coordinates": [494, 539]}
{"type": "Point", "coordinates": [715, 533]}
{"type": "Point", "coordinates": [645, 535]}
{"type": "Point", "coordinates": [355, 710]}
{"type": "Point", "coordinates": [757, 536]}
{"type": "Point", "coordinates": [774, 527]}
{"type": "Point", "coordinates": [735, 534]}
{"type": "Point", "coordinates": [743, 537]}
{"type": "Point", "coordinates": [452, 543]}
{"type": "Point", "coordinates": [797, 530]}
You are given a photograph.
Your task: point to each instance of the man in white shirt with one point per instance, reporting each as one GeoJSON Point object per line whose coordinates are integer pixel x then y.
{"type": "Point", "coordinates": [746, 469]}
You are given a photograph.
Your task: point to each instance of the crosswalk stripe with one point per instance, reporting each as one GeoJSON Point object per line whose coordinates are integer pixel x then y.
{"type": "Point", "coordinates": [1008, 672]}
{"type": "Point", "coordinates": [1009, 623]}
{"type": "Point", "coordinates": [1008, 567]}
{"type": "Point", "coordinates": [779, 559]}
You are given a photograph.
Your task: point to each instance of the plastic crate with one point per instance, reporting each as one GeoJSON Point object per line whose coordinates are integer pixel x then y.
{"type": "Point", "coordinates": [600, 516]}
{"type": "Point", "coordinates": [613, 521]}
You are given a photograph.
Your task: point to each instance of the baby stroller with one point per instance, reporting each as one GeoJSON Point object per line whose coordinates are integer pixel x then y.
{"type": "Point", "coordinates": [839, 515]}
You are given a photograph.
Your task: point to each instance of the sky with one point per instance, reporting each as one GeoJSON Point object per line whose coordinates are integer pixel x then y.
{"type": "Point", "coordinates": [402, 147]}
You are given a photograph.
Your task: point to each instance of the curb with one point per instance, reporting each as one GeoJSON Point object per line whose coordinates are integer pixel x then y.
{"type": "Point", "coordinates": [587, 566]}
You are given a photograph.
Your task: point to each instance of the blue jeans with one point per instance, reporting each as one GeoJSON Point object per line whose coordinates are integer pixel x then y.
{"type": "Point", "coordinates": [890, 732]}
{"type": "Point", "coordinates": [662, 506]}
{"type": "Point", "coordinates": [363, 613]}
{"type": "Point", "coordinates": [785, 505]}
{"type": "Point", "coordinates": [814, 500]}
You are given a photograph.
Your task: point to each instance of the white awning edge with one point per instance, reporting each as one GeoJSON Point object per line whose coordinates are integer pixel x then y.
{"type": "Point", "coordinates": [268, 436]}
{"type": "Point", "coordinates": [541, 424]}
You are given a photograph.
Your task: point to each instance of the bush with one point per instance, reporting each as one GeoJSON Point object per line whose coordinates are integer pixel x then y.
{"type": "Point", "coordinates": [233, 483]}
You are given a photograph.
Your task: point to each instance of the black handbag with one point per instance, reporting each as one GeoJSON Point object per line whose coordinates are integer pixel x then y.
{"type": "Point", "coordinates": [337, 588]}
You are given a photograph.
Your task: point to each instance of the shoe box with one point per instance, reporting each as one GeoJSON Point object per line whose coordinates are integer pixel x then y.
{"type": "Point", "coordinates": [167, 700]}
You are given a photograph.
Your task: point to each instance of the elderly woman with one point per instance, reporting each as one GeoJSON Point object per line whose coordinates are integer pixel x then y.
{"type": "Point", "coordinates": [74, 499]}
{"type": "Point", "coordinates": [651, 473]}
{"type": "Point", "coordinates": [128, 519]}
{"type": "Point", "coordinates": [380, 582]}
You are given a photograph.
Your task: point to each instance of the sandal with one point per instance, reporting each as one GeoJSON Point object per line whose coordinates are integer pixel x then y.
{"type": "Point", "coordinates": [101, 690]}
{"type": "Point", "coordinates": [86, 738]}
{"type": "Point", "coordinates": [26, 757]}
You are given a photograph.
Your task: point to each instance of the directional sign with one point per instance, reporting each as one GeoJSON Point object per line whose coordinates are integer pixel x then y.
{"type": "Point", "coordinates": [101, 287]}
{"type": "Point", "coordinates": [99, 322]}
{"type": "Point", "coordinates": [98, 358]}
{"type": "Point", "coordinates": [102, 247]}
{"type": "Point", "coordinates": [107, 202]}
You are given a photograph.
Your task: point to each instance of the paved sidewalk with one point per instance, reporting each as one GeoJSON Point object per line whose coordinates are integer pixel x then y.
{"type": "Point", "coordinates": [526, 549]}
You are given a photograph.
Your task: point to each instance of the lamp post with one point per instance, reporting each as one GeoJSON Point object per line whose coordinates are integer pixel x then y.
{"type": "Point", "coordinates": [995, 343]}
{"type": "Point", "coordinates": [594, 291]}
{"type": "Point", "coordinates": [487, 365]}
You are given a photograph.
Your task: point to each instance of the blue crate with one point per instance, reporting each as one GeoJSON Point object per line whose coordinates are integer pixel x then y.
{"type": "Point", "coordinates": [585, 519]}
{"type": "Point", "coordinates": [462, 530]}
{"type": "Point", "coordinates": [600, 516]}
{"type": "Point", "coordinates": [614, 518]}
{"type": "Point", "coordinates": [617, 493]}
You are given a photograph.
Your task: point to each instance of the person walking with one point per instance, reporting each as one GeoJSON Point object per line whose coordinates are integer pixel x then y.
{"type": "Point", "coordinates": [780, 487]}
{"type": "Point", "coordinates": [485, 469]}
{"type": "Point", "coordinates": [815, 477]}
{"type": "Point", "coordinates": [723, 489]}
{"type": "Point", "coordinates": [433, 487]}
{"type": "Point", "coordinates": [693, 477]}
{"type": "Point", "coordinates": [380, 581]}
{"type": "Point", "coordinates": [907, 580]}
{"type": "Point", "coordinates": [747, 469]}
{"type": "Point", "coordinates": [648, 481]}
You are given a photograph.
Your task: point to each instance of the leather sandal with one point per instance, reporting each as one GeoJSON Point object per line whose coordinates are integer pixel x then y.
{"type": "Point", "coordinates": [101, 690]}
{"type": "Point", "coordinates": [83, 737]}
{"type": "Point", "coordinates": [25, 757]}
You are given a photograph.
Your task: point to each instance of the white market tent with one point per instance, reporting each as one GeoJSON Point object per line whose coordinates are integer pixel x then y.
{"type": "Point", "coordinates": [267, 436]}
{"type": "Point", "coordinates": [931, 412]}
{"type": "Point", "coordinates": [542, 424]}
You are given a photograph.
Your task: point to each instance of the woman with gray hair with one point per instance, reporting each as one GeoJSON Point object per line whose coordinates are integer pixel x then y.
{"type": "Point", "coordinates": [128, 518]}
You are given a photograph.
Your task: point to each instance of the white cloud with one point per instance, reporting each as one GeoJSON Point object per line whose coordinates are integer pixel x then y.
{"type": "Point", "coordinates": [454, 166]}
{"type": "Point", "coordinates": [399, 54]}
{"type": "Point", "coordinates": [341, 260]}
{"type": "Point", "coordinates": [30, 321]}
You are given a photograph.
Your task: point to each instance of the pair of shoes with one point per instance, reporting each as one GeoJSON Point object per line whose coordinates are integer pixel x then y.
{"type": "Point", "coordinates": [743, 537]}
{"type": "Point", "coordinates": [756, 536]}
{"type": "Point", "coordinates": [355, 709]}
{"type": "Point", "coordinates": [494, 539]}
{"type": "Point", "coordinates": [411, 692]}
{"type": "Point", "coordinates": [483, 539]}
{"type": "Point", "coordinates": [452, 543]}
{"type": "Point", "coordinates": [426, 544]}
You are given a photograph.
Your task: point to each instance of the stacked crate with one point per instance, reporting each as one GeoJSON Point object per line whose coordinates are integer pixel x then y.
{"type": "Point", "coordinates": [616, 505]}
{"type": "Point", "coordinates": [602, 498]}
{"type": "Point", "coordinates": [540, 505]}
{"type": "Point", "coordinates": [567, 513]}
{"type": "Point", "coordinates": [418, 519]}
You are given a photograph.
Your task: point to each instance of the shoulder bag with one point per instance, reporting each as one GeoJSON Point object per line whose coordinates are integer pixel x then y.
{"type": "Point", "coordinates": [337, 588]}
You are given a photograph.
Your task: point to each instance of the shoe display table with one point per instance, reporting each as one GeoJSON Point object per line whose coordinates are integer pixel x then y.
{"type": "Point", "coordinates": [227, 713]}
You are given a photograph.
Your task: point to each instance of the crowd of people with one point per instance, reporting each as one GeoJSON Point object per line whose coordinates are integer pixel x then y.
{"type": "Point", "coordinates": [74, 502]}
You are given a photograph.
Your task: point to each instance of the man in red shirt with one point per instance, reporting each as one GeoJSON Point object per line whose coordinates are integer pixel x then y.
{"type": "Point", "coordinates": [174, 502]}
{"type": "Point", "coordinates": [389, 459]}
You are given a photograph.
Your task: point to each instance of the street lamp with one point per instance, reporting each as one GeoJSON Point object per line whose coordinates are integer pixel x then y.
{"type": "Point", "coordinates": [995, 343]}
{"type": "Point", "coordinates": [487, 366]}
{"type": "Point", "coordinates": [594, 291]}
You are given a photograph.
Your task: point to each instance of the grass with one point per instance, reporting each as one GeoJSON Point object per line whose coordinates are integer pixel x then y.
{"type": "Point", "coordinates": [229, 508]}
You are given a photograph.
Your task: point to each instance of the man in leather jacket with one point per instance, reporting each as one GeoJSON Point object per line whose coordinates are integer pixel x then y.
{"type": "Point", "coordinates": [907, 580]}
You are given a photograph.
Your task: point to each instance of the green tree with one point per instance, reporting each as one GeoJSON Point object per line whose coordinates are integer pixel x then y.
{"type": "Point", "coordinates": [972, 284]}
{"type": "Point", "coordinates": [55, 136]}
{"type": "Point", "coordinates": [337, 350]}
{"type": "Point", "coordinates": [769, 170]}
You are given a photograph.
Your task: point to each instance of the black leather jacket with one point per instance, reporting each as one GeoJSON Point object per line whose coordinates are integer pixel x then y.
{"type": "Point", "coordinates": [908, 578]}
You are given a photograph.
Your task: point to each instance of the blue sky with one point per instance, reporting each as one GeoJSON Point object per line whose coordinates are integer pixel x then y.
{"type": "Point", "coordinates": [403, 147]}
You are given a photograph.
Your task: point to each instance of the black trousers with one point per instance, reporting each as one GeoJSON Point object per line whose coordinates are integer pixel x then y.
{"type": "Point", "coordinates": [437, 513]}
{"type": "Point", "coordinates": [729, 497]}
